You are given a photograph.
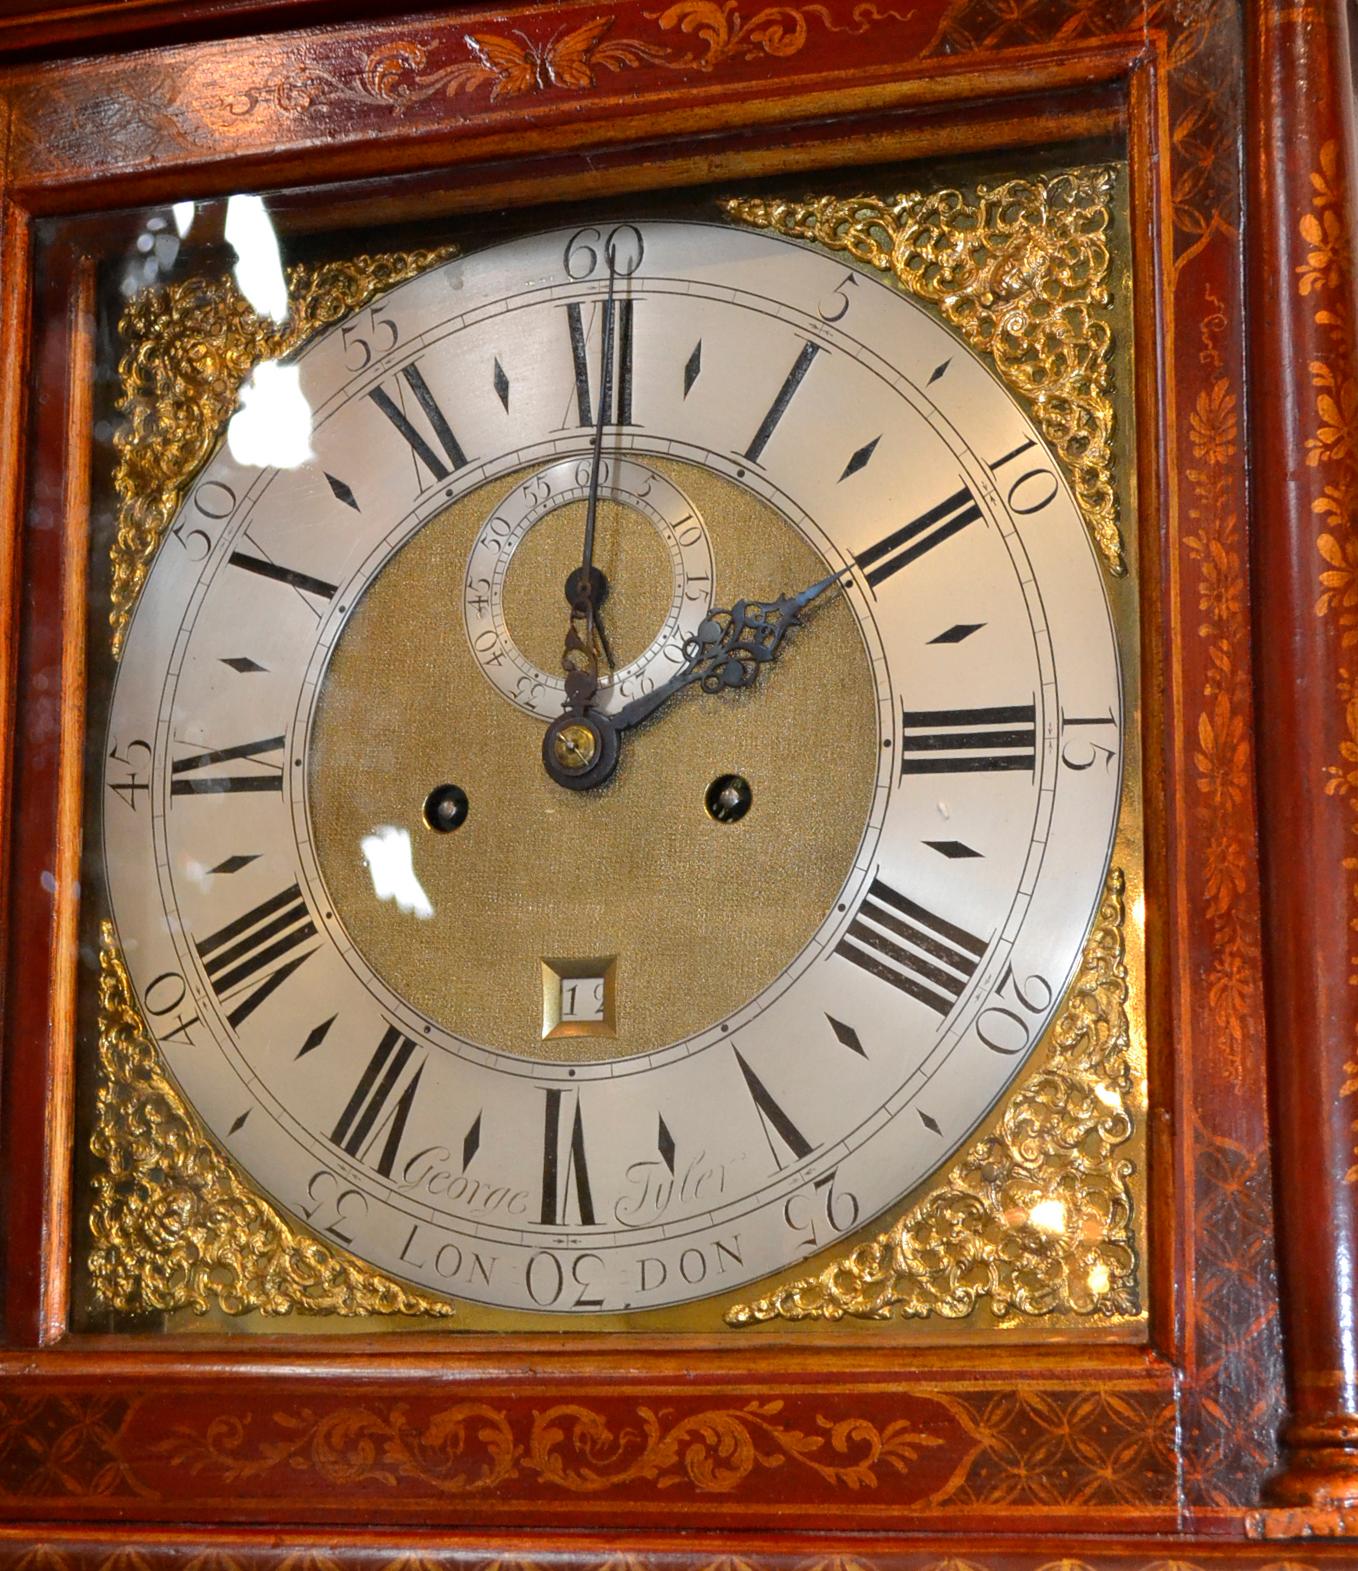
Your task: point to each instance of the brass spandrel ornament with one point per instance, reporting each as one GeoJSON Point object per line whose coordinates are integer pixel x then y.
{"type": "Point", "coordinates": [1036, 1219]}
{"type": "Point", "coordinates": [1021, 271]}
{"type": "Point", "coordinates": [191, 348]}
{"type": "Point", "coordinates": [175, 1225]}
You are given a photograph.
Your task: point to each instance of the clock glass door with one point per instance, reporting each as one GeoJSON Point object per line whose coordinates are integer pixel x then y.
{"type": "Point", "coordinates": [612, 765]}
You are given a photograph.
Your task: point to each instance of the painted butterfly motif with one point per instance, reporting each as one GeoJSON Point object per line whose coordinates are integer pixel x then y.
{"type": "Point", "coordinates": [518, 64]}
{"type": "Point", "coordinates": [511, 65]}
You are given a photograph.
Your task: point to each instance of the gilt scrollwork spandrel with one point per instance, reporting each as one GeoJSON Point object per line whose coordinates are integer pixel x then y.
{"type": "Point", "coordinates": [1036, 1218]}
{"type": "Point", "coordinates": [190, 347]}
{"type": "Point", "coordinates": [174, 1224]}
{"type": "Point", "coordinates": [1021, 270]}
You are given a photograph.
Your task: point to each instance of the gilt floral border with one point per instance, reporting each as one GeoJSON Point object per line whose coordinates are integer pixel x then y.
{"type": "Point", "coordinates": [1323, 279]}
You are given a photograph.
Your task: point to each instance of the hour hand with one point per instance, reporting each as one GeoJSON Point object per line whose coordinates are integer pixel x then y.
{"type": "Point", "coordinates": [730, 648]}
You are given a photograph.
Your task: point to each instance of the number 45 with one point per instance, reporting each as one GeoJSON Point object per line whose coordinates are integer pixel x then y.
{"type": "Point", "coordinates": [134, 758]}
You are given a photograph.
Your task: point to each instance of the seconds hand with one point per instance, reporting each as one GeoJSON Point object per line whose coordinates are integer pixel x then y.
{"type": "Point", "coordinates": [588, 584]}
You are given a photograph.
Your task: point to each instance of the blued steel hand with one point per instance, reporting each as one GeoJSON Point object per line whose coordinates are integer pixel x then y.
{"type": "Point", "coordinates": [730, 648]}
{"type": "Point", "coordinates": [580, 660]}
{"type": "Point", "coordinates": [580, 747]}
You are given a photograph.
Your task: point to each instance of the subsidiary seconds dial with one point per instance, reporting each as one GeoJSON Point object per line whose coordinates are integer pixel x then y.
{"type": "Point", "coordinates": [581, 1051]}
{"type": "Point", "coordinates": [555, 493]}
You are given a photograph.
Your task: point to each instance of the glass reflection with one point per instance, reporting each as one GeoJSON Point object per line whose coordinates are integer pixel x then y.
{"type": "Point", "coordinates": [272, 427]}
{"type": "Point", "coordinates": [388, 853]}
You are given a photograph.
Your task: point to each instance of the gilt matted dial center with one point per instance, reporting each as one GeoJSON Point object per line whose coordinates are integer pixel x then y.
{"type": "Point", "coordinates": [638, 872]}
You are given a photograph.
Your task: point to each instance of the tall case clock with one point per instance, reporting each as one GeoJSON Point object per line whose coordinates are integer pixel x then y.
{"type": "Point", "coordinates": [680, 786]}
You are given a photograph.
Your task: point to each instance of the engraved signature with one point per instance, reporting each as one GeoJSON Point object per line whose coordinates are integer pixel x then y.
{"type": "Point", "coordinates": [654, 1191]}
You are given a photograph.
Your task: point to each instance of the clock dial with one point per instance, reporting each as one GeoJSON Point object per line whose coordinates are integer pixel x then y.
{"type": "Point", "coordinates": [617, 1048]}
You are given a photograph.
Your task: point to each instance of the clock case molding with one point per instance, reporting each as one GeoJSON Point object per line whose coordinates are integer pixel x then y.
{"type": "Point", "coordinates": [1237, 1422]}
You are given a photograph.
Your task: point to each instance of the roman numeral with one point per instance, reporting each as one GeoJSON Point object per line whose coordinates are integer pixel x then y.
{"type": "Point", "coordinates": [284, 575]}
{"type": "Point", "coordinates": [968, 741]}
{"type": "Point", "coordinates": [556, 1182]}
{"type": "Point", "coordinates": [791, 382]}
{"type": "Point", "coordinates": [772, 1116]}
{"type": "Point", "coordinates": [908, 543]}
{"type": "Point", "coordinates": [376, 1109]}
{"type": "Point", "coordinates": [897, 940]}
{"type": "Point", "coordinates": [250, 957]}
{"type": "Point", "coordinates": [271, 779]}
{"type": "Point", "coordinates": [438, 423]}
{"type": "Point", "coordinates": [617, 362]}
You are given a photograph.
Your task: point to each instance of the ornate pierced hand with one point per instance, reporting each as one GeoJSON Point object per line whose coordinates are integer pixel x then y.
{"type": "Point", "coordinates": [729, 650]}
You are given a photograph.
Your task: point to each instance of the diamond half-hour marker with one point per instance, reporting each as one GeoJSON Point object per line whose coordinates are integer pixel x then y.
{"type": "Point", "coordinates": [957, 632]}
{"type": "Point", "coordinates": [860, 458]}
{"type": "Point", "coordinates": [342, 492]}
{"type": "Point", "coordinates": [664, 1141]}
{"type": "Point", "coordinates": [928, 1122]}
{"type": "Point", "coordinates": [501, 382]}
{"type": "Point", "coordinates": [692, 366]}
{"type": "Point", "coordinates": [937, 372]}
{"type": "Point", "coordinates": [847, 1035]}
{"type": "Point", "coordinates": [315, 1036]}
{"type": "Point", "coordinates": [233, 864]}
{"type": "Point", "coordinates": [242, 663]}
{"type": "Point", "coordinates": [240, 1122]}
{"type": "Point", "coordinates": [952, 849]}
{"type": "Point", "coordinates": [471, 1143]}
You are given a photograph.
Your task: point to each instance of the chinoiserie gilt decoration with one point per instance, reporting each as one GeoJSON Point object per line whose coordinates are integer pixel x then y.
{"type": "Point", "coordinates": [191, 347]}
{"type": "Point", "coordinates": [690, 35]}
{"type": "Point", "coordinates": [1021, 270]}
{"type": "Point", "coordinates": [1330, 450]}
{"type": "Point", "coordinates": [174, 1224]}
{"type": "Point", "coordinates": [1037, 1217]}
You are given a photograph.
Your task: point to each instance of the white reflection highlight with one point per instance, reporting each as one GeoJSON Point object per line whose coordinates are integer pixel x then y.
{"type": "Point", "coordinates": [272, 427]}
{"type": "Point", "coordinates": [259, 266]}
{"type": "Point", "coordinates": [388, 854]}
{"type": "Point", "coordinates": [155, 252]}
{"type": "Point", "coordinates": [1049, 1216]}
{"type": "Point", "coordinates": [182, 213]}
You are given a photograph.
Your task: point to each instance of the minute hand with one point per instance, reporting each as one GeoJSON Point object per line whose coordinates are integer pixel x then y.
{"type": "Point", "coordinates": [730, 648]}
